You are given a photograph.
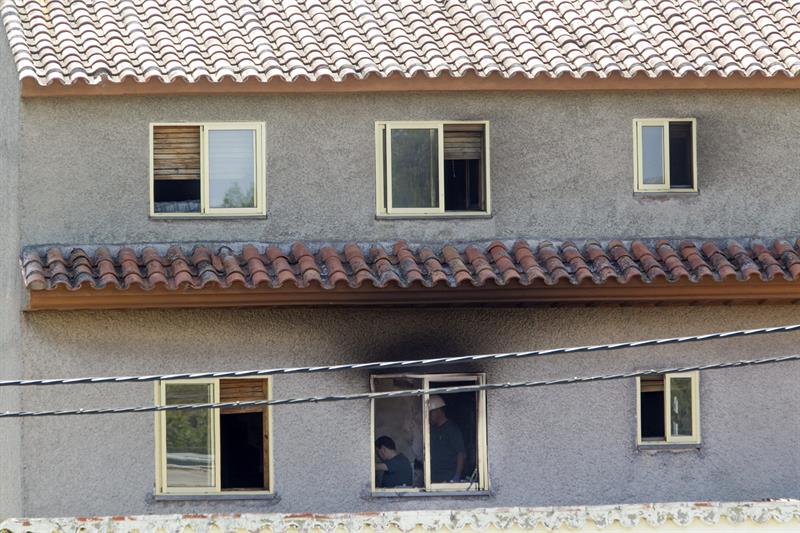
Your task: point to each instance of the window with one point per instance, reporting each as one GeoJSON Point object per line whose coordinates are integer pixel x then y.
{"type": "Point", "coordinates": [668, 408]}
{"type": "Point", "coordinates": [665, 155]}
{"type": "Point", "coordinates": [201, 451]}
{"type": "Point", "coordinates": [207, 169]}
{"type": "Point", "coordinates": [431, 442]}
{"type": "Point", "coordinates": [432, 168]}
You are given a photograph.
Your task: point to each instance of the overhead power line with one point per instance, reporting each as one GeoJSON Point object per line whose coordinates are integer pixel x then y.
{"type": "Point", "coordinates": [375, 365]}
{"type": "Point", "coordinates": [398, 394]}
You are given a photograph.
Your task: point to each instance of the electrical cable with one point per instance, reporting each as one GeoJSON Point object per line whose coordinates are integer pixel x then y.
{"type": "Point", "coordinates": [398, 394]}
{"type": "Point", "coordinates": [377, 365]}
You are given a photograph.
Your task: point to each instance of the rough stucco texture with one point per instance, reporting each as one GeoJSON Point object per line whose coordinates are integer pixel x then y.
{"type": "Point", "coordinates": [10, 291]}
{"type": "Point", "coordinates": [561, 166]}
{"type": "Point", "coordinates": [548, 446]}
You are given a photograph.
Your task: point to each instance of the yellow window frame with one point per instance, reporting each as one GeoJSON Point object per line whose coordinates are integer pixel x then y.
{"type": "Point", "coordinates": [638, 155]}
{"type": "Point", "coordinates": [259, 209]}
{"type": "Point", "coordinates": [383, 188]}
{"type": "Point", "coordinates": [161, 443]}
{"type": "Point", "coordinates": [482, 448]}
{"type": "Point", "coordinates": [668, 438]}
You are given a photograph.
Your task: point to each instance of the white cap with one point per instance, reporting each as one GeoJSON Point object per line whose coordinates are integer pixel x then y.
{"type": "Point", "coordinates": [435, 402]}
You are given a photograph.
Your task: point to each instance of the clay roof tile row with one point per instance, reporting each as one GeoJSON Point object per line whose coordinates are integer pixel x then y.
{"type": "Point", "coordinates": [402, 264]}
{"type": "Point", "coordinates": [68, 41]}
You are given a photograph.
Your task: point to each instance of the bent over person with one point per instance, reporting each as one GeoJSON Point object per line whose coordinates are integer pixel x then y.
{"type": "Point", "coordinates": [395, 466]}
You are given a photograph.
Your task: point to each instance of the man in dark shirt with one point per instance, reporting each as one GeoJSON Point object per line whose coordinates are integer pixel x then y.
{"type": "Point", "coordinates": [447, 445]}
{"type": "Point", "coordinates": [395, 466]}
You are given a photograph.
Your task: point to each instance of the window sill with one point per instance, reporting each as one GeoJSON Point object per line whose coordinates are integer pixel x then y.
{"type": "Point", "coordinates": [667, 447]}
{"type": "Point", "coordinates": [431, 494]}
{"type": "Point", "coordinates": [226, 496]}
{"type": "Point", "coordinates": [664, 194]}
{"type": "Point", "coordinates": [168, 218]}
{"type": "Point", "coordinates": [447, 216]}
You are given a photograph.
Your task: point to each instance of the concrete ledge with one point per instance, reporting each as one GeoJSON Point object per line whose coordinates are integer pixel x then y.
{"type": "Point", "coordinates": [214, 497]}
{"type": "Point", "coordinates": [432, 494]}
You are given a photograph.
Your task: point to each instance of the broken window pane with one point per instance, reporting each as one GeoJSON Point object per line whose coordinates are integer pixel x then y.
{"type": "Point", "coordinates": [415, 168]}
{"type": "Point", "coordinates": [652, 155]}
{"type": "Point", "coordinates": [400, 421]}
{"type": "Point", "coordinates": [231, 168]}
{"type": "Point", "coordinates": [681, 172]}
{"type": "Point", "coordinates": [189, 436]}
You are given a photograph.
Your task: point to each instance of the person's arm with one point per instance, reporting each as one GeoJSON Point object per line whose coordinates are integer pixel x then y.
{"type": "Point", "coordinates": [461, 457]}
{"type": "Point", "coordinates": [381, 467]}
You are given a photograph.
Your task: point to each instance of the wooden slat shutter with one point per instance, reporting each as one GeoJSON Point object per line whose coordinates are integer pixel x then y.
{"type": "Point", "coordinates": [463, 141]}
{"type": "Point", "coordinates": [176, 152]}
{"type": "Point", "coordinates": [240, 390]}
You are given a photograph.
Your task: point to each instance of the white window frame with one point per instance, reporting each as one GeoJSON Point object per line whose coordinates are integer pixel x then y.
{"type": "Point", "coordinates": [482, 461]}
{"type": "Point", "coordinates": [638, 156]}
{"type": "Point", "coordinates": [668, 437]}
{"type": "Point", "coordinates": [161, 443]}
{"type": "Point", "coordinates": [259, 209]}
{"type": "Point", "coordinates": [383, 169]}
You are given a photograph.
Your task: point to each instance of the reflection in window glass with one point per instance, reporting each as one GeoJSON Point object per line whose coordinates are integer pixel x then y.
{"type": "Point", "coordinates": [399, 420]}
{"type": "Point", "coordinates": [652, 155]}
{"type": "Point", "coordinates": [189, 437]}
{"type": "Point", "coordinates": [680, 404]}
{"type": "Point", "coordinates": [415, 168]}
{"type": "Point", "coordinates": [231, 168]}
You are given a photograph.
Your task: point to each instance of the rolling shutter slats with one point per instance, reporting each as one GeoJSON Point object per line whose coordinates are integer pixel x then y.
{"type": "Point", "coordinates": [463, 141]}
{"type": "Point", "coordinates": [176, 152]}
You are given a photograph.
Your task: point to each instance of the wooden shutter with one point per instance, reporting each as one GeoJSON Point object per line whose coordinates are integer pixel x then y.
{"type": "Point", "coordinates": [240, 390]}
{"type": "Point", "coordinates": [463, 141]}
{"type": "Point", "coordinates": [176, 152]}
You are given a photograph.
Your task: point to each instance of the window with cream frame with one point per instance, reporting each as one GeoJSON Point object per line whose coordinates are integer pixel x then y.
{"type": "Point", "coordinates": [668, 408]}
{"type": "Point", "coordinates": [408, 421]}
{"type": "Point", "coordinates": [432, 168]}
{"type": "Point", "coordinates": [665, 155]}
{"type": "Point", "coordinates": [213, 451]}
{"type": "Point", "coordinates": [207, 169]}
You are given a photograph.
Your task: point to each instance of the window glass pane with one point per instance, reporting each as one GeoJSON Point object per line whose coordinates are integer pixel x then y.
{"type": "Point", "coordinates": [652, 155]}
{"type": "Point", "coordinates": [681, 173]}
{"type": "Point", "coordinates": [190, 437]}
{"type": "Point", "coordinates": [680, 405]}
{"type": "Point", "coordinates": [454, 435]}
{"type": "Point", "coordinates": [399, 445]}
{"type": "Point", "coordinates": [231, 168]}
{"type": "Point", "coordinates": [415, 167]}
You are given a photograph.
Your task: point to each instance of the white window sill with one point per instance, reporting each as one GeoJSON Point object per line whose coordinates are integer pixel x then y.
{"type": "Point", "coordinates": [431, 494]}
{"type": "Point", "coordinates": [219, 496]}
{"type": "Point", "coordinates": [667, 446]}
{"type": "Point", "coordinates": [451, 215]}
{"type": "Point", "coordinates": [189, 216]}
{"type": "Point", "coordinates": [665, 194]}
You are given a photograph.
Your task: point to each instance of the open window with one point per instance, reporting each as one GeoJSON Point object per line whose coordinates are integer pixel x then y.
{"type": "Point", "coordinates": [202, 451]}
{"type": "Point", "coordinates": [668, 408]}
{"type": "Point", "coordinates": [430, 442]}
{"type": "Point", "coordinates": [432, 168]}
{"type": "Point", "coordinates": [207, 169]}
{"type": "Point", "coordinates": [665, 155]}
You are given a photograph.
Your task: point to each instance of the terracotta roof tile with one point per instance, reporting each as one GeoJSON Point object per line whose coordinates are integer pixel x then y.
{"type": "Point", "coordinates": [356, 264]}
{"type": "Point", "coordinates": [68, 41]}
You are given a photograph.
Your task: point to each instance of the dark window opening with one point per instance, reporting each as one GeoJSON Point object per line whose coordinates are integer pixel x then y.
{"type": "Point", "coordinates": [242, 448]}
{"type": "Point", "coordinates": [652, 408]}
{"type": "Point", "coordinates": [176, 196]}
{"type": "Point", "coordinates": [681, 164]}
{"type": "Point", "coordinates": [244, 431]}
{"type": "Point", "coordinates": [461, 410]}
{"type": "Point", "coordinates": [463, 185]}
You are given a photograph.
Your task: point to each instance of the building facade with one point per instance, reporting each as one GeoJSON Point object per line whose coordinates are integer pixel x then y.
{"type": "Point", "coordinates": [571, 239]}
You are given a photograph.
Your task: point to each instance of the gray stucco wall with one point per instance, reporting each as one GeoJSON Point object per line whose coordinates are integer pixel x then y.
{"type": "Point", "coordinates": [10, 290]}
{"type": "Point", "coordinates": [561, 166]}
{"type": "Point", "coordinates": [559, 445]}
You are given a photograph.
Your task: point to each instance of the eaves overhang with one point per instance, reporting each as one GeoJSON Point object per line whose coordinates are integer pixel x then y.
{"type": "Point", "coordinates": [507, 273]}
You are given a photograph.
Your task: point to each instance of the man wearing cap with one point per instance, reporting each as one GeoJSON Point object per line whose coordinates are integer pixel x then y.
{"type": "Point", "coordinates": [447, 444]}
